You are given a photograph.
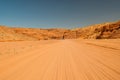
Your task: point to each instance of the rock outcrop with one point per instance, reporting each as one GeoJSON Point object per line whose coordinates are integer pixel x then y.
{"type": "Point", "coordinates": [41, 34]}
{"type": "Point", "coordinates": [8, 34]}
{"type": "Point", "coordinates": [98, 31]}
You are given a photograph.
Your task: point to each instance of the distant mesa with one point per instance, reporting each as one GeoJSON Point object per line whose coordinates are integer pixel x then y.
{"type": "Point", "coordinates": [99, 31]}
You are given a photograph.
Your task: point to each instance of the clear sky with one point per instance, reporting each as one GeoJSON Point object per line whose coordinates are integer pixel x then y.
{"type": "Point", "coordinates": [57, 13]}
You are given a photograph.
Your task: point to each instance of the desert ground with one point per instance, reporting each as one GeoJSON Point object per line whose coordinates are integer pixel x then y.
{"type": "Point", "coordinates": [60, 60]}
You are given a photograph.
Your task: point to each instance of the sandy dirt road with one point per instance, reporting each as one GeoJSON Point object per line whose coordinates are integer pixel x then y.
{"type": "Point", "coordinates": [60, 60]}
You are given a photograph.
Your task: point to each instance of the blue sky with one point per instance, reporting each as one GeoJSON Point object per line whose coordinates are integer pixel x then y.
{"type": "Point", "coordinates": [57, 13]}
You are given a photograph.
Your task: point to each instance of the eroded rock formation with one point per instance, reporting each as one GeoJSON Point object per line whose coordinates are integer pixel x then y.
{"type": "Point", "coordinates": [98, 31]}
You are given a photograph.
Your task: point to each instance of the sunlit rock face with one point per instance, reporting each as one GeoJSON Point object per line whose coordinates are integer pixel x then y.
{"type": "Point", "coordinates": [99, 31]}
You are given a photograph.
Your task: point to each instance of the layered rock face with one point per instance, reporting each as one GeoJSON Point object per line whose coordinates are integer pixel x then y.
{"type": "Point", "coordinates": [98, 31]}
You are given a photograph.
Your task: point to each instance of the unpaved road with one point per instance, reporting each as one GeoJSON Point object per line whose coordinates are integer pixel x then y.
{"type": "Point", "coordinates": [60, 60]}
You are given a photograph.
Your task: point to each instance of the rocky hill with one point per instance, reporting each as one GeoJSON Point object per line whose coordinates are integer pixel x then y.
{"type": "Point", "coordinates": [8, 34]}
{"type": "Point", "coordinates": [41, 34]}
{"type": "Point", "coordinates": [99, 31]}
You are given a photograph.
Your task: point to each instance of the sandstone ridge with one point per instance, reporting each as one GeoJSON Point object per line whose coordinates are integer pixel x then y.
{"type": "Point", "coordinates": [99, 31]}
